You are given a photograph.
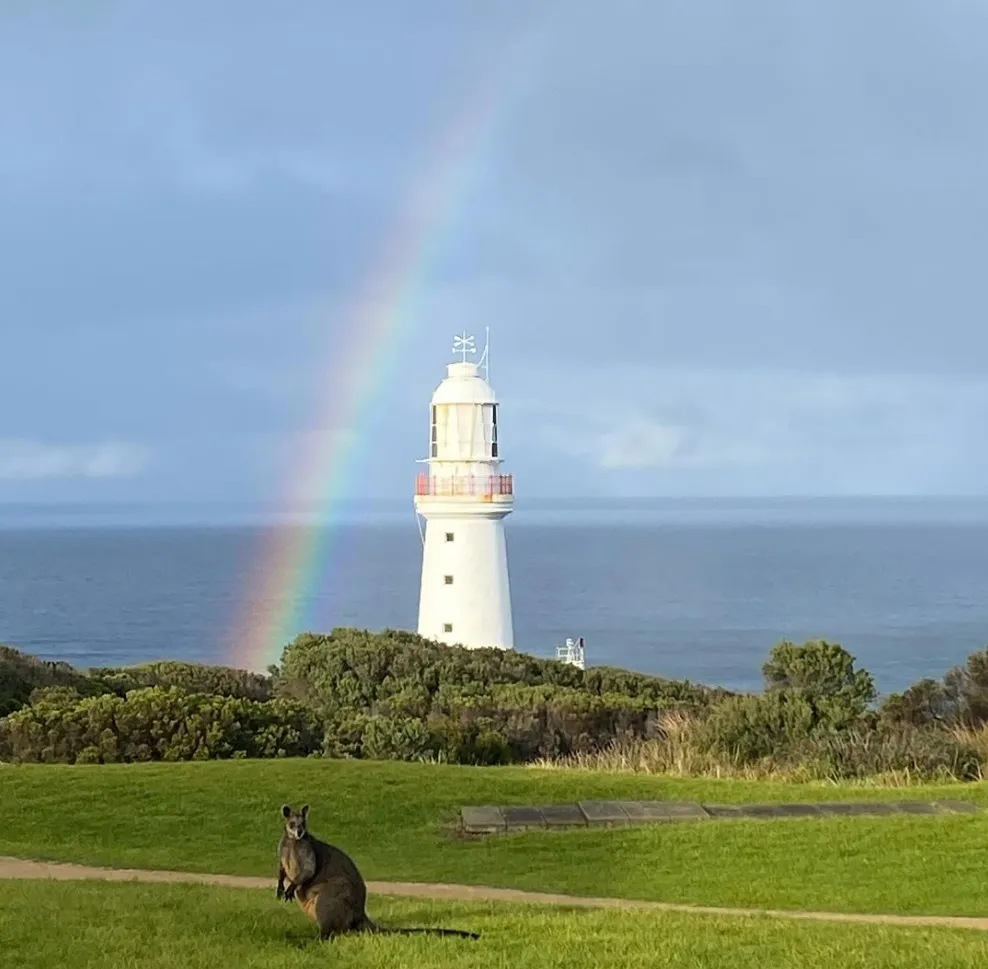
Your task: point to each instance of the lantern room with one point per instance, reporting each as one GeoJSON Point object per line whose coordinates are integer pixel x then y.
{"type": "Point", "coordinates": [464, 418]}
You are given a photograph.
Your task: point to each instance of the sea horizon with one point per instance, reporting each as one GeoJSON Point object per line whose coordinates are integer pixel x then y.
{"type": "Point", "coordinates": [697, 589]}
{"type": "Point", "coordinates": [542, 510]}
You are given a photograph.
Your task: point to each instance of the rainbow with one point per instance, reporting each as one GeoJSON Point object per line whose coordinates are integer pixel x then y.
{"type": "Point", "coordinates": [379, 322]}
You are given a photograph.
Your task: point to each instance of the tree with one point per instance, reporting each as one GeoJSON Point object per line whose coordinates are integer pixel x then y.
{"type": "Point", "coordinates": [824, 675]}
{"type": "Point", "coordinates": [20, 674]}
{"type": "Point", "coordinates": [926, 703]}
{"type": "Point", "coordinates": [969, 685]}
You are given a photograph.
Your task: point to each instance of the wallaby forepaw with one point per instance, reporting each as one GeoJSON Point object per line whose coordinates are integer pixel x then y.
{"type": "Point", "coordinates": [289, 893]}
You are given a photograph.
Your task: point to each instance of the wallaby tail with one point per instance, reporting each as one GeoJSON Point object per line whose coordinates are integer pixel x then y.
{"type": "Point", "coordinates": [371, 926]}
{"type": "Point", "coordinates": [459, 933]}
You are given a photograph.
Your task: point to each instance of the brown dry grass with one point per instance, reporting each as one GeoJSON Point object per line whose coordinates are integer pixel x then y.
{"type": "Point", "coordinates": [676, 753]}
{"type": "Point", "coordinates": [976, 737]}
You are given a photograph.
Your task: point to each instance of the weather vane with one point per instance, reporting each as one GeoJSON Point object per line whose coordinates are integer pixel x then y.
{"type": "Point", "coordinates": [464, 344]}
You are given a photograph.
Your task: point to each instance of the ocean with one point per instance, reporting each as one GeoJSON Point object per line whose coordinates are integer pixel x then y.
{"type": "Point", "coordinates": [686, 589]}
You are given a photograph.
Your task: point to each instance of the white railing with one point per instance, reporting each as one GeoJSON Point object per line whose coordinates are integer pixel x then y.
{"type": "Point", "coordinates": [572, 653]}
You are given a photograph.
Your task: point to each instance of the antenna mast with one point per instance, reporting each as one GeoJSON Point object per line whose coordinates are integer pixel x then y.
{"type": "Point", "coordinates": [485, 359]}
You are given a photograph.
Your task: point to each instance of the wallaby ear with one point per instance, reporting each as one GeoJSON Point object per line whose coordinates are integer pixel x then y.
{"type": "Point", "coordinates": [305, 811]}
{"type": "Point", "coordinates": [285, 811]}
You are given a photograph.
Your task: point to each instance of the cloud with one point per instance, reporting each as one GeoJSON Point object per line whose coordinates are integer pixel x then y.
{"type": "Point", "coordinates": [29, 460]}
{"type": "Point", "coordinates": [767, 432]}
{"type": "Point", "coordinates": [777, 219]}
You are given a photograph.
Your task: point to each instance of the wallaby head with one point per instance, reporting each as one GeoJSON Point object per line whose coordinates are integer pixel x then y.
{"type": "Point", "coordinates": [296, 822]}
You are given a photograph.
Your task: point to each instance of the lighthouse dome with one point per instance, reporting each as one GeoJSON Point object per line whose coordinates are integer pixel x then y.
{"type": "Point", "coordinates": [464, 385]}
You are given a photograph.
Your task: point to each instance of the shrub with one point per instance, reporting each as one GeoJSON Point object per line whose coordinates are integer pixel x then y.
{"type": "Point", "coordinates": [960, 699]}
{"type": "Point", "coordinates": [21, 674]}
{"type": "Point", "coordinates": [395, 695]}
{"type": "Point", "coordinates": [396, 738]}
{"type": "Point", "coordinates": [967, 687]}
{"type": "Point", "coordinates": [187, 677]}
{"type": "Point", "coordinates": [750, 728]}
{"type": "Point", "coordinates": [344, 737]}
{"type": "Point", "coordinates": [57, 695]}
{"type": "Point", "coordinates": [924, 755]}
{"type": "Point", "coordinates": [927, 703]}
{"type": "Point", "coordinates": [824, 675]}
{"type": "Point", "coordinates": [356, 669]}
{"type": "Point", "coordinates": [155, 723]}
{"type": "Point", "coordinates": [475, 740]}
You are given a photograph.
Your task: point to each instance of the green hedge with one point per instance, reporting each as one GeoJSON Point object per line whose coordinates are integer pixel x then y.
{"type": "Point", "coordinates": [21, 675]}
{"type": "Point", "coordinates": [394, 695]}
{"type": "Point", "coordinates": [188, 677]}
{"type": "Point", "coordinates": [154, 723]}
{"type": "Point", "coordinates": [468, 706]}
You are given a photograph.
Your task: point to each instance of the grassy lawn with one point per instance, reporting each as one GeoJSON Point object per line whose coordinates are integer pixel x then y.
{"type": "Point", "coordinates": [224, 817]}
{"type": "Point", "coordinates": [86, 924]}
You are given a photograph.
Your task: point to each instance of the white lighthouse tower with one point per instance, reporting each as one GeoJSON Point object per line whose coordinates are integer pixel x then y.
{"type": "Point", "coordinates": [463, 497]}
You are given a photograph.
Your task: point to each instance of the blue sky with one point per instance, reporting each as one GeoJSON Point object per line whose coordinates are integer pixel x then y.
{"type": "Point", "coordinates": [724, 248]}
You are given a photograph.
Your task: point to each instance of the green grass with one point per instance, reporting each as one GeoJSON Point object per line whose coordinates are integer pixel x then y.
{"type": "Point", "coordinates": [224, 817]}
{"type": "Point", "coordinates": [82, 925]}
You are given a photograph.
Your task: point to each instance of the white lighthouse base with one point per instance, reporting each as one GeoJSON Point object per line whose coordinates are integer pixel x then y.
{"type": "Point", "coordinates": [465, 598]}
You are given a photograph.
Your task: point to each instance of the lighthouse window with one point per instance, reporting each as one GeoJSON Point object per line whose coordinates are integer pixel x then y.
{"type": "Point", "coordinates": [447, 627]}
{"type": "Point", "coordinates": [449, 536]}
{"type": "Point", "coordinates": [448, 579]}
{"type": "Point", "coordinates": [494, 431]}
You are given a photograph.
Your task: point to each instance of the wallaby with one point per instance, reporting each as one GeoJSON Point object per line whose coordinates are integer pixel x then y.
{"type": "Point", "coordinates": [327, 885]}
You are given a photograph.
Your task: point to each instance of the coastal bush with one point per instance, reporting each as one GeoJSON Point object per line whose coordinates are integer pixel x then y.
{"type": "Point", "coordinates": [927, 703]}
{"type": "Point", "coordinates": [750, 728]}
{"type": "Point", "coordinates": [187, 677]}
{"type": "Point", "coordinates": [888, 749]}
{"type": "Point", "coordinates": [154, 723]}
{"type": "Point", "coordinates": [370, 695]}
{"type": "Point", "coordinates": [21, 674]}
{"type": "Point", "coordinates": [394, 695]}
{"type": "Point", "coordinates": [958, 700]}
{"type": "Point", "coordinates": [813, 692]}
{"type": "Point", "coordinates": [396, 738]}
{"type": "Point", "coordinates": [467, 706]}
{"type": "Point", "coordinates": [893, 755]}
{"type": "Point", "coordinates": [357, 669]}
{"type": "Point", "coordinates": [969, 683]}
{"type": "Point", "coordinates": [824, 676]}
{"type": "Point", "coordinates": [475, 740]}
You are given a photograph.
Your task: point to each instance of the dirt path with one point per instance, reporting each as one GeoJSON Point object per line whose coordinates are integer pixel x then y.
{"type": "Point", "coordinates": [17, 868]}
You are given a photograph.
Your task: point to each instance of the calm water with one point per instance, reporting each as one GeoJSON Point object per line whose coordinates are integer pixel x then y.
{"type": "Point", "coordinates": [688, 589]}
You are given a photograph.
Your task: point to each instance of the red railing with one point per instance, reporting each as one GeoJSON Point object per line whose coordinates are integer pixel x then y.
{"type": "Point", "coordinates": [468, 486]}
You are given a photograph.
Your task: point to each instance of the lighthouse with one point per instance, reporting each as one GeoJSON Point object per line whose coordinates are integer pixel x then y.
{"type": "Point", "coordinates": [464, 498]}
